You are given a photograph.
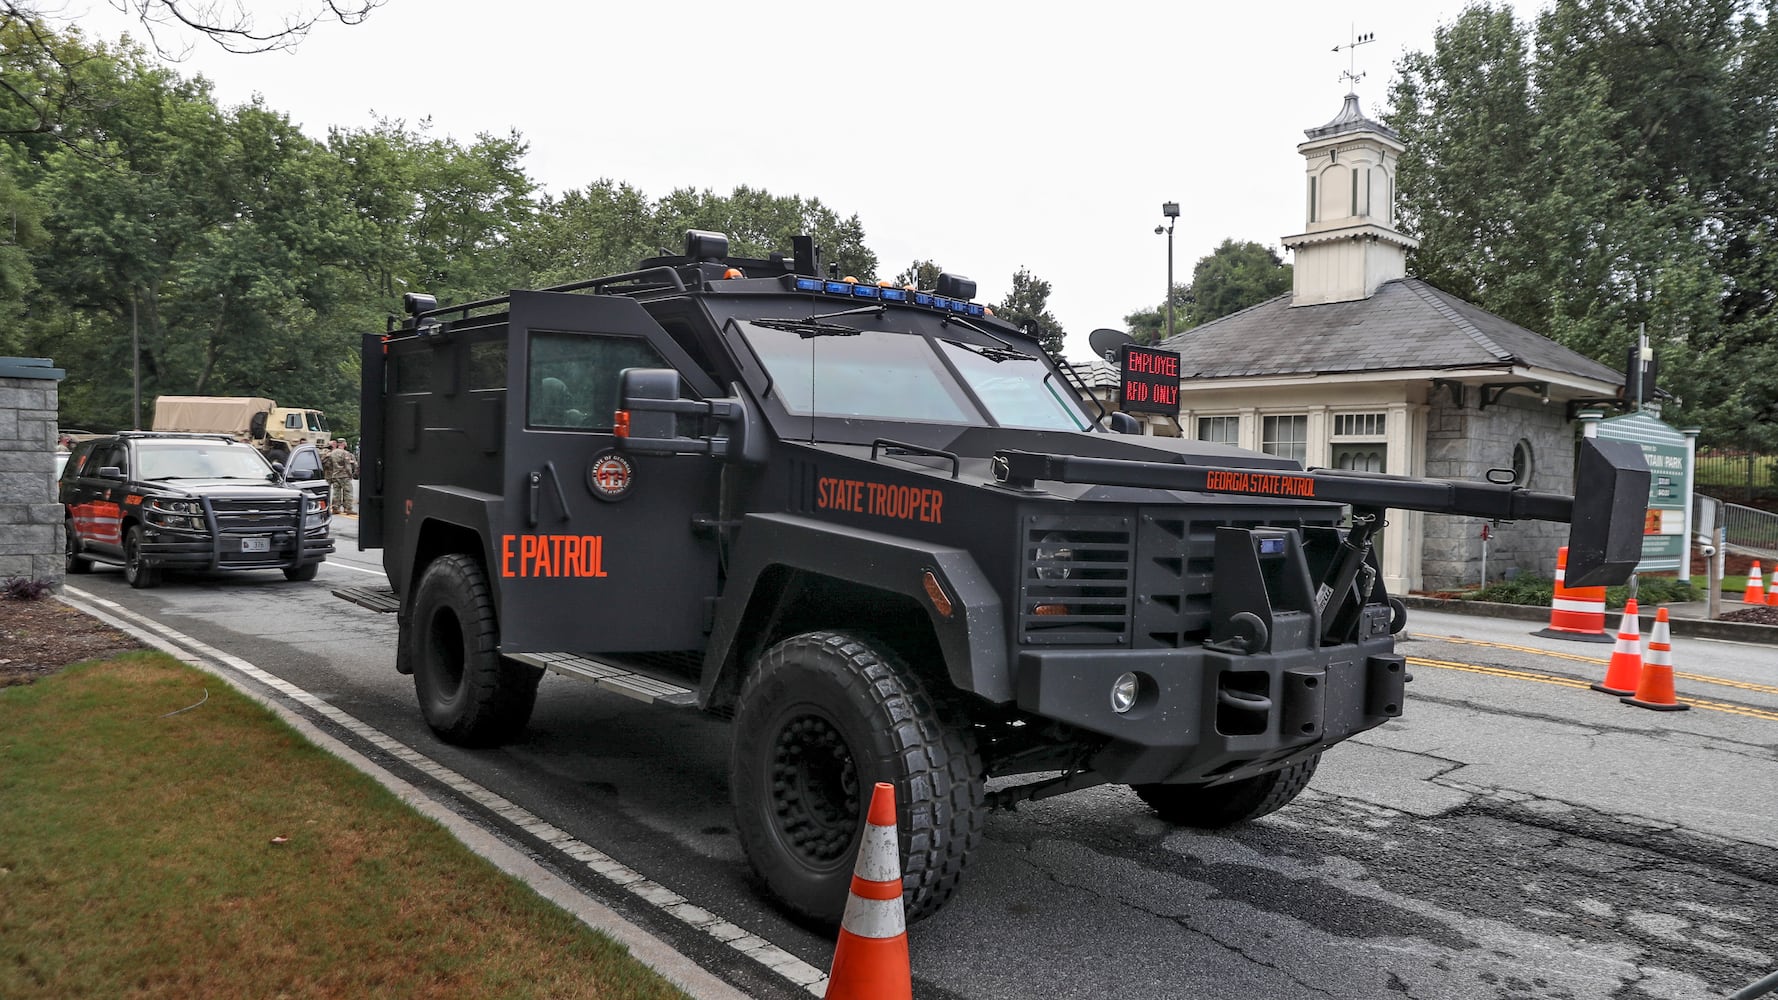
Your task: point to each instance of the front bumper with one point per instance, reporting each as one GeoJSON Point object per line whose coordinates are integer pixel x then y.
{"type": "Point", "coordinates": [1202, 714]}
{"type": "Point", "coordinates": [168, 549]}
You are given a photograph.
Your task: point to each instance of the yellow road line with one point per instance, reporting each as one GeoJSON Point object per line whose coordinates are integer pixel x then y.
{"type": "Point", "coordinates": [1597, 661]}
{"type": "Point", "coordinates": [1570, 682]}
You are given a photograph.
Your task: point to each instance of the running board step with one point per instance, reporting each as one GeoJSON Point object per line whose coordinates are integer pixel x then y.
{"type": "Point", "coordinates": [612, 678]}
{"type": "Point", "coordinates": [375, 598]}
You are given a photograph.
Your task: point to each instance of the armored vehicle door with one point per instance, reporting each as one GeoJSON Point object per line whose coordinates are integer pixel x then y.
{"type": "Point", "coordinates": [596, 550]}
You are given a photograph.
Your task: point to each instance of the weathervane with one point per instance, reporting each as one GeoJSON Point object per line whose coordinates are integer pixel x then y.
{"type": "Point", "coordinates": [1351, 74]}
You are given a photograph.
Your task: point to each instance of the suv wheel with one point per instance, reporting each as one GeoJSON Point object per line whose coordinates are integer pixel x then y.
{"type": "Point", "coordinates": [469, 694]}
{"type": "Point", "coordinates": [1217, 806]}
{"type": "Point", "coordinates": [136, 570]}
{"type": "Point", "coordinates": [823, 719]}
{"type": "Point", "coordinates": [75, 562]}
{"type": "Point", "coordinates": [301, 573]}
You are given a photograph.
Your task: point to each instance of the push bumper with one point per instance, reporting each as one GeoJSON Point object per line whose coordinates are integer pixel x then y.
{"type": "Point", "coordinates": [175, 550]}
{"type": "Point", "coordinates": [1203, 715]}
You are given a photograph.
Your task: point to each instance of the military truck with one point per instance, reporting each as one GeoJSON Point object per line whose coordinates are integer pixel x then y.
{"type": "Point", "coordinates": [275, 430]}
{"type": "Point", "coordinates": [879, 528]}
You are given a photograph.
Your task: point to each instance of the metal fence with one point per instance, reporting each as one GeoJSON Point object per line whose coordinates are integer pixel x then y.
{"type": "Point", "coordinates": [1750, 531]}
{"type": "Point", "coordinates": [1737, 475]}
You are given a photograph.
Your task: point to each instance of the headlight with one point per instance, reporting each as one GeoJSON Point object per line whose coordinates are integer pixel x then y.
{"type": "Point", "coordinates": [317, 506]}
{"type": "Point", "coordinates": [177, 506]}
{"type": "Point", "coordinates": [1052, 557]}
{"type": "Point", "coordinates": [1123, 692]}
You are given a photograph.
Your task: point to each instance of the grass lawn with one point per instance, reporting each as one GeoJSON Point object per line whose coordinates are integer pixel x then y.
{"type": "Point", "coordinates": [215, 853]}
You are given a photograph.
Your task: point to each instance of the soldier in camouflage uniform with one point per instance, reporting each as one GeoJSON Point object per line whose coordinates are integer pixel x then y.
{"type": "Point", "coordinates": [341, 469]}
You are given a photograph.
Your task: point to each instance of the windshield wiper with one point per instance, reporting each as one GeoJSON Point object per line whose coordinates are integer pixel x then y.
{"type": "Point", "coordinates": [811, 327]}
{"type": "Point", "coordinates": [995, 354]}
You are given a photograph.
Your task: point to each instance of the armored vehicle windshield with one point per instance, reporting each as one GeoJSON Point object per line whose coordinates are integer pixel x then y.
{"type": "Point", "coordinates": [831, 370]}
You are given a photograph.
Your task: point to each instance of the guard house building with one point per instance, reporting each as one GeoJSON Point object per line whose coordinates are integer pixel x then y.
{"type": "Point", "coordinates": [1362, 367]}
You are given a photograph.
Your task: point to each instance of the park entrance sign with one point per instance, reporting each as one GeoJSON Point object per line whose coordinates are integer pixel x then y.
{"type": "Point", "coordinates": [1669, 456]}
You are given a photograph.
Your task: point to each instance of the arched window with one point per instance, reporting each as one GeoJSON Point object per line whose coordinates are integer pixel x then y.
{"type": "Point", "coordinates": [1524, 466]}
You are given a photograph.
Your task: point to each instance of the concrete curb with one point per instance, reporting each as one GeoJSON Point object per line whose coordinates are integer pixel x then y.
{"type": "Point", "coordinates": [1702, 628]}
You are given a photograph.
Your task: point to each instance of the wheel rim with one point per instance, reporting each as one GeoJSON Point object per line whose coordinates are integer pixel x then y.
{"type": "Point", "coordinates": [444, 637]}
{"type": "Point", "coordinates": [815, 790]}
{"type": "Point", "coordinates": [132, 557]}
{"type": "Point", "coordinates": [70, 544]}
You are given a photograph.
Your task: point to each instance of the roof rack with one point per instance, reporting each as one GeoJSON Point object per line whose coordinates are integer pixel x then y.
{"type": "Point", "coordinates": [184, 435]}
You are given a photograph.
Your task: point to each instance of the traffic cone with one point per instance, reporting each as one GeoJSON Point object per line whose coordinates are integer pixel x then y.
{"type": "Point", "coordinates": [1576, 613]}
{"type": "Point", "coordinates": [1755, 593]}
{"type": "Point", "coordinates": [1625, 669]}
{"type": "Point", "coordinates": [1655, 690]}
{"type": "Point", "coordinates": [870, 962]}
{"type": "Point", "coordinates": [1772, 591]}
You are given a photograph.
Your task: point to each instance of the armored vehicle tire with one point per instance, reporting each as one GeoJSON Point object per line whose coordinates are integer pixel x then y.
{"type": "Point", "coordinates": [76, 563]}
{"type": "Point", "coordinates": [469, 694]}
{"type": "Point", "coordinates": [301, 573]}
{"type": "Point", "coordinates": [823, 718]}
{"type": "Point", "coordinates": [136, 571]}
{"type": "Point", "coordinates": [1217, 806]}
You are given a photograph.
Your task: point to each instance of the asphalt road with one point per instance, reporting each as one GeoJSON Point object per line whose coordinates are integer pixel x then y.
{"type": "Point", "coordinates": [1514, 835]}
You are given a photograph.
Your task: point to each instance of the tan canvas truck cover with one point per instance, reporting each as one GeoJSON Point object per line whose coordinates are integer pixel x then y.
{"type": "Point", "coordinates": [214, 414]}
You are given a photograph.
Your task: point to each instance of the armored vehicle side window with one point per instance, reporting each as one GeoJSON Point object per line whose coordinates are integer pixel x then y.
{"type": "Point", "coordinates": [410, 371]}
{"type": "Point", "coordinates": [487, 365]}
{"type": "Point", "coordinates": [573, 381]}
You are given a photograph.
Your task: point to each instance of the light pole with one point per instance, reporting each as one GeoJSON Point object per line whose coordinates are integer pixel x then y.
{"type": "Point", "coordinates": [1171, 211]}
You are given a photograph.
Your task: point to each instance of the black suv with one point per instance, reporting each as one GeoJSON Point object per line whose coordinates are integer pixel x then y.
{"type": "Point", "coordinates": [152, 501]}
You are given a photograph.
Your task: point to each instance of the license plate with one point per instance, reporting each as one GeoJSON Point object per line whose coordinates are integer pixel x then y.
{"type": "Point", "coordinates": [256, 545]}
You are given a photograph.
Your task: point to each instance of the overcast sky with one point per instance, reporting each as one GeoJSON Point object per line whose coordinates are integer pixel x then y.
{"type": "Point", "coordinates": [986, 136]}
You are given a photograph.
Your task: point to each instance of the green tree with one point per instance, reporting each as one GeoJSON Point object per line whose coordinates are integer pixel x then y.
{"type": "Point", "coordinates": [1602, 171]}
{"type": "Point", "coordinates": [759, 223]}
{"type": "Point", "coordinates": [920, 274]}
{"type": "Point", "coordinates": [1235, 275]}
{"type": "Point", "coordinates": [1232, 277]}
{"type": "Point", "coordinates": [1027, 303]}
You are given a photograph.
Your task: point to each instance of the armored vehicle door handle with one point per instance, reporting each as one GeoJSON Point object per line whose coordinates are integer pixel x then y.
{"type": "Point", "coordinates": [535, 483]}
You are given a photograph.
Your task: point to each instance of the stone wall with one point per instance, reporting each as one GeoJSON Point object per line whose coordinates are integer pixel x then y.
{"type": "Point", "coordinates": [30, 517]}
{"type": "Point", "coordinates": [1464, 443]}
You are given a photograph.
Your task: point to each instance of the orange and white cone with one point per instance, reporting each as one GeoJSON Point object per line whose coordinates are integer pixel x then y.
{"type": "Point", "coordinates": [871, 960]}
{"type": "Point", "coordinates": [1772, 591]}
{"type": "Point", "coordinates": [1576, 613]}
{"type": "Point", "coordinates": [1756, 592]}
{"type": "Point", "coordinates": [1656, 687]}
{"type": "Point", "coordinates": [1625, 670]}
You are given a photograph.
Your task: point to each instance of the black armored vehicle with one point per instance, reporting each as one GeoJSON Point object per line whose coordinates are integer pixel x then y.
{"type": "Point", "coordinates": [881, 529]}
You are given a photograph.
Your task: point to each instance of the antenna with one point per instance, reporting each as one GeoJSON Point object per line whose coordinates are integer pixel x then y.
{"type": "Point", "coordinates": [1351, 74]}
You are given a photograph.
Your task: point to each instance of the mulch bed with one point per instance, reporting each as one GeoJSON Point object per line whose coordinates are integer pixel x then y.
{"type": "Point", "coordinates": [1764, 614]}
{"type": "Point", "coordinates": [40, 637]}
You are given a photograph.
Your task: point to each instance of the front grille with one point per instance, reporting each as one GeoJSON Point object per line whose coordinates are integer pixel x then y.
{"type": "Point", "coordinates": [253, 515]}
{"type": "Point", "coordinates": [1176, 566]}
{"type": "Point", "coordinates": [1074, 580]}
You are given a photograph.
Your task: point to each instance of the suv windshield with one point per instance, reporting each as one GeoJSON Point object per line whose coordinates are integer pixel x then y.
{"type": "Point", "coordinates": [199, 460]}
{"type": "Point", "coordinates": [898, 376]}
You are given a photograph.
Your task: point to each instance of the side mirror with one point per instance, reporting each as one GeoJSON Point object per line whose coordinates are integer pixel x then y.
{"type": "Point", "coordinates": [110, 472]}
{"type": "Point", "coordinates": [640, 421]}
{"type": "Point", "coordinates": [1123, 423]}
{"type": "Point", "coordinates": [650, 400]}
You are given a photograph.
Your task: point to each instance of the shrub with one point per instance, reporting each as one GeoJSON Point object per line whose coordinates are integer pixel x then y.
{"type": "Point", "coordinates": [23, 588]}
{"type": "Point", "coordinates": [1537, 591]}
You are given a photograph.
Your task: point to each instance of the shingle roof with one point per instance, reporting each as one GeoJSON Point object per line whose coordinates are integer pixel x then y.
{"type": "Point", "coordinates": [1407, 325]}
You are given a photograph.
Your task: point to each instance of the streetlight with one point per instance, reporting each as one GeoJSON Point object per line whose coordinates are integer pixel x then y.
{"type": "Point", "coordinates": [1171, 211]}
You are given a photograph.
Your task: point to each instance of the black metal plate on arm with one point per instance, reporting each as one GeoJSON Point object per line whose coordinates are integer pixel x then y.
{"type": "Point", "coordinates": [1611, 497]}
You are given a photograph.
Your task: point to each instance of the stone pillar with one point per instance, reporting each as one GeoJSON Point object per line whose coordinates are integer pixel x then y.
{"type": "Point", "coordinates": [30, 517]}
